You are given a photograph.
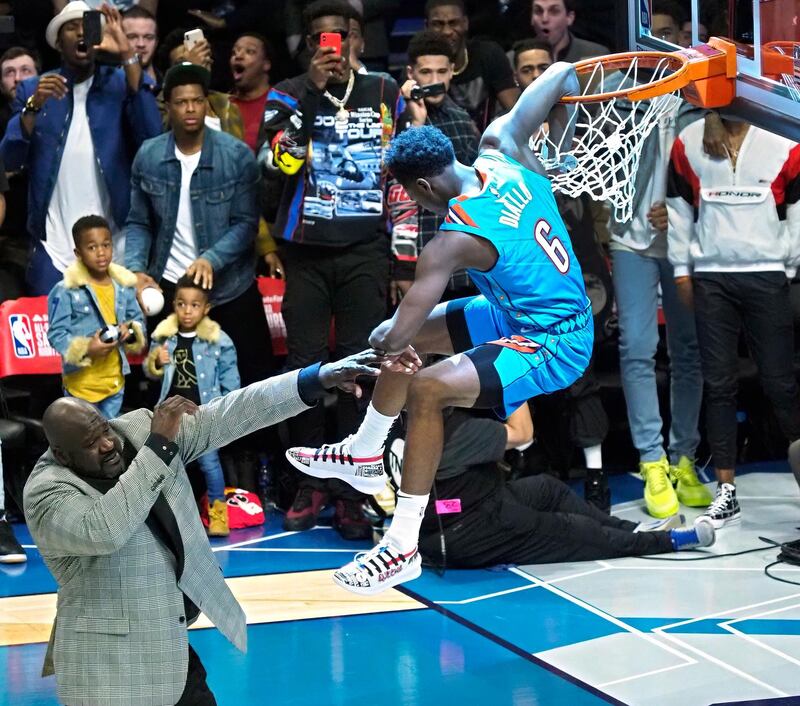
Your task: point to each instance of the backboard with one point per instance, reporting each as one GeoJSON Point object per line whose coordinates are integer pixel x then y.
{"type": "Point", "coordinates": [768, 81]}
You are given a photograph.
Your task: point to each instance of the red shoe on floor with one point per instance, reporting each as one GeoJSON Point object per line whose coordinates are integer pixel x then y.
{"type": "Point", "coordinates": [305, 509]}
{"type": "Point", "coordinates": [349, 520]}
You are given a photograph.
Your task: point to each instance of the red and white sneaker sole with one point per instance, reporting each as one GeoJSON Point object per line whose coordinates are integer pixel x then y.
{"type": "Point", "coordinates": [345, 472]}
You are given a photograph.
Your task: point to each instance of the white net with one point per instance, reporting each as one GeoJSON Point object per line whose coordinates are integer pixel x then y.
{"type": "Point", "coordinates": [603, 156]}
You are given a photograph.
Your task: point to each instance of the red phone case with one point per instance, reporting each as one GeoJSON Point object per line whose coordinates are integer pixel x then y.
{"type": "Point", "coordinates": [331, 39]}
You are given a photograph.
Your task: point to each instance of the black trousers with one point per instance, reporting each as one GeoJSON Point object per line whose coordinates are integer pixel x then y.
{"type": "Point", "coordinates": [348, 286]}
{"type": "Point", "coordinates": [196, 691]}
{"type": "Point", "coordinates": [537, 520]}
{"type": "Point", "coordinates": [725, 302]}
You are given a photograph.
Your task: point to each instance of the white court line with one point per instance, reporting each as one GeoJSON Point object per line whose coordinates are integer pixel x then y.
{"type": "Point", "coordinates": [486, 596]}
{"type": "Point", "coordinates": [723, 613]}
{"type": "Point", "coordinates": [724, 665]}
{"type": "Point", "coordinates": [290, 549]}
{"type": "Point", "coordinates": [645, 567]}
{"type": "Point", "coordinates": [226, 547]}
{"type": "Point", "coordinates": [648, 637]}
{"type": "Point", "coordinates": [516, 589]}
{"type": "Point", "coordinates": [644, 674]}
{"type": "Point", "coordinates": [728, 625]}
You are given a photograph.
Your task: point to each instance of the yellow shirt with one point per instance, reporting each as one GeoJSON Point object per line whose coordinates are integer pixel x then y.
{"type": "Point", "coordinates": [103, 377]}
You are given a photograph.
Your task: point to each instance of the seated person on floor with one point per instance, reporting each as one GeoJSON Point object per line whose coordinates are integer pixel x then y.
{"type": "Point", "coordinates": [534, 520]}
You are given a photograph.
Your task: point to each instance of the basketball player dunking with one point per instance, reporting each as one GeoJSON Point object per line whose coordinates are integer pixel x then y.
{"type": "Point", "coordinates": [528, 333]}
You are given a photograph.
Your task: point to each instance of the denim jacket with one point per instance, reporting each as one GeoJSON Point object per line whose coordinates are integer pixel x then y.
{"type": "Point", "coordinates": [224, 210]}
{"type": "Point", "coordinates": [214, 359]}
{"type": "Point", "coordinates": [118, 120]}
{"type": "Point", "coordinates": [74, 315]}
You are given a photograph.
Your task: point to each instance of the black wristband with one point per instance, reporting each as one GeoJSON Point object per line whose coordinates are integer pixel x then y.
{"type": "Point", "coordinates": [162, 447]}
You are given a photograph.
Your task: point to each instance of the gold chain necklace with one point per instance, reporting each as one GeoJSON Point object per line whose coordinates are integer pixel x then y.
{"type": "Point", "coordinates": [466, 63]}
{"type": "Point", "coordinates": [342, 116]}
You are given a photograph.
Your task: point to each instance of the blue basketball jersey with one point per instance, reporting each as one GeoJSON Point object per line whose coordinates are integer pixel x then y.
{"type": "Point", "coordinates": [537, 281]}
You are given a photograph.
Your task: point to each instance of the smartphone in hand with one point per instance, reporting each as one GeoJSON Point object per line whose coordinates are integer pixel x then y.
{"type": "Point", "coordinates": [192, 38]}
{"type": "Point", "coordinates": [331, 39]}
{"type": "Point", "coordinates": [92, 28]}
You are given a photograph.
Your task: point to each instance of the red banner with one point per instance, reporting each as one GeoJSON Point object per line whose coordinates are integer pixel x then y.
{"type": "Point", "coordinates": [272, 289]}
{"type": "Point", "coordinates": [24, 348]}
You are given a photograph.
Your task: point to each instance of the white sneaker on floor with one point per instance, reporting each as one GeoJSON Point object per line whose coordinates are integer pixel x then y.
{"type": "Point", "coordinates": [668, 523]}
{"type": "Point", "coordinates": [380, 568]}
{"type": "Point", "coordinates": [364, 473]}
{"type": "Point", "coordinates": [725, 509]}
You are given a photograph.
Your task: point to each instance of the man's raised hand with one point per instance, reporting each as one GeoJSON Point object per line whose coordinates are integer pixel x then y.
{"type": "Point", "coordinates": [167, 416]}
{"type": "Point", "coordinates": [343, 373]}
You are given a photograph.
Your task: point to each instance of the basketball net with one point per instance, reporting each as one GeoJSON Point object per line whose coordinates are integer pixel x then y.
{"type": "Point", "coordinates": [603, 156]}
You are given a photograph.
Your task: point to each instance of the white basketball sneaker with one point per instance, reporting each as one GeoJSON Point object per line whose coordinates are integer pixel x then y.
{"type": "Point", "coordinates": [364, 473]}
{"type": "Point", "coordinates": [380, 568]}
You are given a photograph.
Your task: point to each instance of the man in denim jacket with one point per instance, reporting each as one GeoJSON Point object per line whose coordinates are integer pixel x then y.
{"type": "Point", "coordinates": [194, 211]}
{"type": "Point", "coordinates": [73, 130]}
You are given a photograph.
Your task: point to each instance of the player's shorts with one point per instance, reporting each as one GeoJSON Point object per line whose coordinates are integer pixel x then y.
{"type": "Point", "coordinates": [514, 363]}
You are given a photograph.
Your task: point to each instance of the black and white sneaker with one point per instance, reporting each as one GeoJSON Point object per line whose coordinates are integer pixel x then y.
{"type": "Point", "coordinates": [380, 568]}
{"type": "Point", "coordinates": [10, 550]}
{"type": "Point", "coordinates": [364, 473]}
{"type": "Point", "coordinates": [725, 509]}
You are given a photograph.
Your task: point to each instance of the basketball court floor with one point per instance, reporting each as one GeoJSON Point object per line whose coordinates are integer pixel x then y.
{"type": "Point", "coordinates": [633, 631]}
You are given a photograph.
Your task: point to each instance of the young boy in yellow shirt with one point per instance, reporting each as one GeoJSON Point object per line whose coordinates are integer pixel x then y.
{"type": "Point", "coordinates": [94, 319]}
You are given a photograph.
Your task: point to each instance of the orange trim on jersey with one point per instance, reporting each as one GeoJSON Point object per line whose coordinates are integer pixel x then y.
{"type": "Point", "coordinates": [462, 215]}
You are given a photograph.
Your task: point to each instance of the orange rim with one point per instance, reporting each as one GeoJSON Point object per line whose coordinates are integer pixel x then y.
{"type": "Point", "coordinates": [646, 60]}
{"type": "Point", "coordinates": [786, 46]}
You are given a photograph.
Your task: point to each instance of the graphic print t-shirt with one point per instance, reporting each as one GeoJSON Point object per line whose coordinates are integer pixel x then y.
{"type": "Point", "coordinates": [184, 382]}
{"type": "Point", "coordinates": [337, 197]}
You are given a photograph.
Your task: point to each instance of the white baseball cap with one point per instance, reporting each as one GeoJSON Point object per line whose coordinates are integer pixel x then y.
{"type": "Point", "coordinates": [72, 11]}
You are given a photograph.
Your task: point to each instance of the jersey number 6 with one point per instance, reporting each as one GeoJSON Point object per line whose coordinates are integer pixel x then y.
{"type": "Point", "coordinates": [554, 249]}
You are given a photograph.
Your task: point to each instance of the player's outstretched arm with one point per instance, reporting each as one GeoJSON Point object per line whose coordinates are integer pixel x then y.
{"type": "Point", "coordinates": [443, 255]}
{"type": "Point", "coordinates": [511, 132]}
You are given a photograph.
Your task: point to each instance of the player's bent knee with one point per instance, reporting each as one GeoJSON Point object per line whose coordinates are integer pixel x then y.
{"type": "Point", "coordinates": [426, 391]}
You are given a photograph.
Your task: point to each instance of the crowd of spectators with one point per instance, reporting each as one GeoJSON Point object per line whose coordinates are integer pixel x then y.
{"type": "Point", "coordinates": [252, 149]}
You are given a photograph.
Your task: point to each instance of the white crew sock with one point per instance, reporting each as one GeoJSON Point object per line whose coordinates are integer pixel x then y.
{"type": "Point", "coordinates": [404, 531]}
{"type": "Point", "coordinates": [372, 433]}
{"type": "Point", "coordinates": [594, 456]}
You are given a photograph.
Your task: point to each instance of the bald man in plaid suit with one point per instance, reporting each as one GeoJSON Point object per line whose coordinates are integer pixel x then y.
{"type": "Point", "coordinates": [112, 513]}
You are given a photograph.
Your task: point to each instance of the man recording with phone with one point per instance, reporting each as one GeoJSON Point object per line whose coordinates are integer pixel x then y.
{"type": "Point", "coordinates": [324, 135]}
{"type": "Point", "coordinates": [74, 129]}
{"type": "Point", "coordinates": [429, 71]}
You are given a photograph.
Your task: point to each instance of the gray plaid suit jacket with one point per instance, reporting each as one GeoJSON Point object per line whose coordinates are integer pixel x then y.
{"type": "Point", "coordinates": [120, 632]}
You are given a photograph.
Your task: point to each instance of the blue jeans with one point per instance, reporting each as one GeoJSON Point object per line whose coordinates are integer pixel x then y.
{"type": "Point", "coordinates": [636, 280]}
{"type": "Point", "coordinates": [212, 470]}
{"type": "Point", "coordinates": [108, 407]}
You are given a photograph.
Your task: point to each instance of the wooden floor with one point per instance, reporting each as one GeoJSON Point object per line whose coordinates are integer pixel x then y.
{"type": "Point", "coordinates": [265, 599]}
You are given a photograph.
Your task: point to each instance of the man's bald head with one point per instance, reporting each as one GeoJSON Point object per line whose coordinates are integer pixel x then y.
{"type": "Point", "coordinates": [81, 439]}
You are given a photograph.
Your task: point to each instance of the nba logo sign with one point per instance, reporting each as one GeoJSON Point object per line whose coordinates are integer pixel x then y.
{"type": "Point", "coordinates": [23, 335]}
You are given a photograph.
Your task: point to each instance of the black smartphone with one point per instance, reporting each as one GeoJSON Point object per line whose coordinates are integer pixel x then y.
{"type": "Point", "coordinates": [433, 89]}
{"type": "Point", "coordinates": [92, 28]}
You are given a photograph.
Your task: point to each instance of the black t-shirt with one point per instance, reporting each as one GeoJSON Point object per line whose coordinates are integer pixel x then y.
{"type": "Point", "coordinates": [185, 381]}
{"type": "Point", "coordinates": [467, 470]}
{"type": "Point", "coordinates": [487, 73]}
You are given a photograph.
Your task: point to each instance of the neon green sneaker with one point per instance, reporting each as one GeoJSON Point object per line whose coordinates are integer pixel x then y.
{"type": "Point", "coordinates": [659, 495]}
{"type": "Point", "coordinates": [688, 487]}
